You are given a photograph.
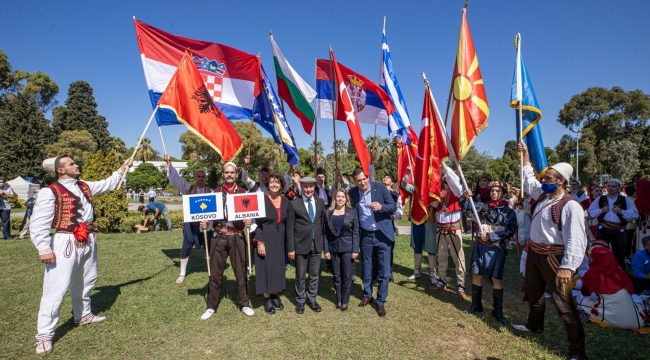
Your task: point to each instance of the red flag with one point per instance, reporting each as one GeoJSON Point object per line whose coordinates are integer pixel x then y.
{"type": "Point", "coordinates": [187, 96]}
{"type": "Point", "coordinates": [246, 203]}
{"type": "Point", "coordinates": [406, 158]}
{"type": "Point", "coordinates": [432, 148]}
{"type": "Point", "coordinates": [346, 111]}
{"type": "Point", "coordinates": [469, 108]}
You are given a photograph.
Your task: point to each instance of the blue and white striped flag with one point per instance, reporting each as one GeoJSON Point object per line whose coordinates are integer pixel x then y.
{"type": "Point", "coordinates": [398, 122]}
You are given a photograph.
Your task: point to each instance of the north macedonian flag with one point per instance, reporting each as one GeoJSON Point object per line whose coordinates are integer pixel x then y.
{"type": "Point", "coordinates": [187, 96]}
{"type": "Point", "coordinates": [469, 108]}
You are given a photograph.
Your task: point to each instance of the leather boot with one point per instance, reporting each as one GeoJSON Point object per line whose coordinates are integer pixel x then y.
{"type": "Point", "coordinates": [477, 300]}
{"type": "Point", "coordinates": [497, 296]}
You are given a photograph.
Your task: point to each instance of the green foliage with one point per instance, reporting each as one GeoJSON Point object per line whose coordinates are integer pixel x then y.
{"type": "Point", "coordinates": [24, 132]}
{"type": "Point", "coordinates": [111, 207]}
{"type": "Point", "coordinates": [551, 156]}
{"type": "Point", "coordinates": [38, 87]}
{"type": "Point", "coordinates": [80, 113]}
{"type": "Point", "coordinates": [16, 202]}
{"type": "Point", "coordinates": [214, 178]}
{"type": "Point", "coordinates": [147, 152]}
{"type": "Point", "coordinates": [146, 176]}
{"type": "Point", "coordinates": [78, 144]}
{"type": "Point", "coordinates": [510, 149]}
{"type": "Point", "coordinates": [473, 164]}
{"type": "Point", "coordinates": [607, 117]}
{"type": "Point", "coordinates": [623, 160]}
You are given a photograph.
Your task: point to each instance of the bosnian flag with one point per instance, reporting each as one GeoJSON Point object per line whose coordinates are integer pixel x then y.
{"type": "Point", "coordinates": [232, 77]}
{"type": "Point", "coordinates": [371, 104]}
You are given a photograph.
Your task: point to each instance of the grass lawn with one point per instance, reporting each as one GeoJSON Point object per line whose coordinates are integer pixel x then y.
{"type": "Point", "coordinates": [151, 317]}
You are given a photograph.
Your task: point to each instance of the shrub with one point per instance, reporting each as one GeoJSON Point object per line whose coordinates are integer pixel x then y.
{"type": "Point", "coordinates": [16, 221]}
{"type": "Point", "coordinates": [112, 206]}
{"type": "Point", "coordinates": [17, 203]}
{"type": "Point", "coordinates": [136, 217]}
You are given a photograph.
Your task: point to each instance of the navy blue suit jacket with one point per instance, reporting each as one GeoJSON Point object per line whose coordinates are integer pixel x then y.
{"type": "Point", "coordinates": [378, 193]}
{"type": "Point", "coordinates": [347, 240]}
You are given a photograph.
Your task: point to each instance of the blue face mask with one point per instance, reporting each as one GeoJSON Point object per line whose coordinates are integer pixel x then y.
{"type": "Point", "coordinates": [549, 188]}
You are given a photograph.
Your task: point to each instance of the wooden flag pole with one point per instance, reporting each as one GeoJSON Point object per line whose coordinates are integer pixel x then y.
{"type": "Point", "coordinates": [250, 135]}
{"type": "Point", "coordinates": [335, 107]}
{"type": "Point", "coordinates": [248, 249]}
{"type": "Point", "coordinates": [381, 60]}
{"type": "Point", "coordinates": [207, 253]}
{"type": "Point", "coordinates": [162, 140]}
{"type": "Point", "coordinates": [138, 144]}
{"type": "Point", "coordinates": [451, 150]}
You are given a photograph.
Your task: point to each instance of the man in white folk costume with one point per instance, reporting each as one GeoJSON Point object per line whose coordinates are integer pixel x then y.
{"type": "Point", "coordinates": [70, 256]}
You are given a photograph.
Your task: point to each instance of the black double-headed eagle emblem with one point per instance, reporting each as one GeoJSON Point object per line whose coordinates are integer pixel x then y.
{"type": "Point", "coordinates": [245, 202]}
{"type": "Point", "coordinates": [204, 100]}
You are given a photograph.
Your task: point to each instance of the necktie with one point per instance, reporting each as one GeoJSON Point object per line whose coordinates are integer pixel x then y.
{"type": "Point", "coordinates": [310, 208]}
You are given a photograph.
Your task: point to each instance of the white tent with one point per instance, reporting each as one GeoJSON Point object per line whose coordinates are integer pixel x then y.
{"type": "Point", "coordinates": [23, 188]}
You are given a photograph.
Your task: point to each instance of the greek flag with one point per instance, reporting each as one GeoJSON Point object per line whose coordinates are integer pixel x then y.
{"type": "Point", "coordinates": [398, 122]}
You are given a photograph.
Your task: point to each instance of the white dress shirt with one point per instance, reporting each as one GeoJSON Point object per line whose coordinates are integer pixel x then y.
{"type": "Point", "coordinates": [179, 183]}
{"type": "Point", "coordinates": [306, 203]}
{"type": "Point", "coordinates": [454, 185]}
{"type": "Point", "coordinates": [43, 215]}
{"type": "Point", "coordinates": [544, 231]}
{"type": "Point", "coordinates": [629, 214]}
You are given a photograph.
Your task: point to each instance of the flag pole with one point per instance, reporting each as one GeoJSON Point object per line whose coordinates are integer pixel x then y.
{"type": "Point", "coordinates": [451, 86]}
{"type": "Point", "coordinates": [521, 158]}
{"type": "Point", "coordinates": [162, 140]}
{"type": "Point", "coordinates": [451, 149]}
{"type": "Point", "coordinates": [138, 144]}
{"type": "Point", "coordinates": [250, 134]}
{"type": "Point", "coordinates": [335, 106]}
{"type": "Point", "coordinates": [381, 60]}
{"type": "Point", "coordinates": [207, 253]}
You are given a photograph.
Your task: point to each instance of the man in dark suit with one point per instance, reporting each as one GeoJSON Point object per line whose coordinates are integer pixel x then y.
{"type": "Point", "coordinates": [305, 241]}
{"type": "Point", "coordinates": [375, 205]}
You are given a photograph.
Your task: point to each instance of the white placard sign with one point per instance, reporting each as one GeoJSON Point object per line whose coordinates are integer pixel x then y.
{"type": "Point", "coordinates": [202, 207]}
{"type": "Point", "coordinates": [245, 206]}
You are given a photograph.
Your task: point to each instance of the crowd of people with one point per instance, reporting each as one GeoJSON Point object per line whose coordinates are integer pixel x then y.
{"type": "Point", "coordinates": [577, 242]}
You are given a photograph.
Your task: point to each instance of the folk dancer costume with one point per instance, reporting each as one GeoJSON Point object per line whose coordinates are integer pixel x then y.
{"type": "Point", "coordinates": [448, 214]}
{"type": "Point", "coordinates": [489, 255]}
{"type": "Point", "coordinates": [557, 241]}
{"type": "Point", "coordinates": [423, 238]}
{"type": "Point", "coordinates": [228, 242]}
{"type": "Point", "coordinates": [612, 226]}
{"type": "Point", "coordinates": [192, 234]}
{"type": "Point", "coordinates": [67, 206]}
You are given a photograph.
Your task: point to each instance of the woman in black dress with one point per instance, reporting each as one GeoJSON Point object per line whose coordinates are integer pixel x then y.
{"type": "Point", "coordinates": [341, 245]}
{"type": "Point", "coordinates": [269, 237]}
{"type": "Point", "coordinates": [141, 196]}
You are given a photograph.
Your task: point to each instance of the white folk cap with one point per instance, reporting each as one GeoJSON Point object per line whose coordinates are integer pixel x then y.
{"type": "Point", "coordinates": [563, 169]}
{"type": "Point", "coordinates": [48, 166]}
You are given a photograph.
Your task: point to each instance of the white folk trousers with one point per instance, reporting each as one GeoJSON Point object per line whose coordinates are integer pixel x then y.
{"type": "Point", "coordinates": [76, 266]}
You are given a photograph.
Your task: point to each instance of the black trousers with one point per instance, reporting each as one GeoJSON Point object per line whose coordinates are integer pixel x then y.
{"type": "Point", "coordinates": [307, 263]}
{"type": "Point", "coordinates": [540, 274]}
{"type": "Point", "coordinates": [342, 274]}
{"type": "Point", "coordinates": [617, 238]}
{"type": "Point", "coordinates": [640, 285]}
{"type": "Point", "coordinates": [221, 248]}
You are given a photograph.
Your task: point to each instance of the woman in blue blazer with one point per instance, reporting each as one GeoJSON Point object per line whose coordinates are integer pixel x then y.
{"type": "Point", "coordinates": [341, 245]}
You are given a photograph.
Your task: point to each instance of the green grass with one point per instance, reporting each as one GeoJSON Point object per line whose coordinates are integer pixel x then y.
{"type": "Point", "coordinates": [149, 316]}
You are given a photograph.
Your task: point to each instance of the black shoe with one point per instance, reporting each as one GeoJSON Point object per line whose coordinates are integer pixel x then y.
{"type": "Point", "coordinates": [344, 307]}
{"type": "Point", "coordinates": [300, 308]}
{"type": "Point", "coordinates": [9, 237]}
{"type": "Point", "coordinates": [268, 306]}
{"type": "Point", "coordinates": [477, 300]}
{"type": "Point", "coordinates": [314, 306]}
{"type": "Point", "coordinates": [497, 296]}
{"type": "Point", "coordinates": [338, 306]}
{"type": "Point", "coordinates": [277, 304]}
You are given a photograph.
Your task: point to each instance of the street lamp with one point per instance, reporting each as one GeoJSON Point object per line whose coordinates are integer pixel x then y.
{"type": "Point", "coordinates": [577, 150]}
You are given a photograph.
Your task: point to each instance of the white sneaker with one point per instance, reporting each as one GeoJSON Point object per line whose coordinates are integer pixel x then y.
{"type": "Point", "coordinates": [415, 276]}
{"type": "Point", "coordinates": [248, 311]}
{"type": "Point", "coordinates": [43, 347]}
{"type": "Point", "coordinates": [207, 314]}
{"type": "Point", "coordinates": [180, 279]}
{"type": "Point", "coordinates": [89, 319]}
{"type": "Point", "coordinates": [433, 278]}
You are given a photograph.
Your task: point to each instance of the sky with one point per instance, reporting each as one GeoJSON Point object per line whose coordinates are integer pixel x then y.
{"type": "Point", "coordinates": [568, 46]}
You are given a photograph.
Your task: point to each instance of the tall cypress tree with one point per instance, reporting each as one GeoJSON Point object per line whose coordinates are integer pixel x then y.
{"type": "Point", "coordinates": [80, 113]}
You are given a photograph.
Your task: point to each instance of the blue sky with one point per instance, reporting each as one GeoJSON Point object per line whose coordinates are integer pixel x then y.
{"type": "Point", "coordinates": [568, 47]}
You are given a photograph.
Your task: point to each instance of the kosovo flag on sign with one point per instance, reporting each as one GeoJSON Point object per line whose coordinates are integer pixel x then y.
{"type": "Point", "coordinates": [207, 204]}
{"type": "Point", "coordinates": [246, 203]}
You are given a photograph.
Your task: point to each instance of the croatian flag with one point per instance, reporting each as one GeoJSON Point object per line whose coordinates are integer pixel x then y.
{"type": "Point", "coordinates": [371, 103]}
{"type": "Point", "coordinates": [399, 124]}
{"type": "Point", "coordinates": [232, 77]}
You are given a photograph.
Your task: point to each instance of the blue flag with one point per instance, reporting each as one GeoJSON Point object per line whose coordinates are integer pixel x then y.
{"type": "Point", "coordinates": [267, 111]}
{"type": "Point", "coordinates": [203, 204]}
{"type": "Point", "coordinates": [522, 92]}
{"type": "Point", "coordinates": [398, 122]}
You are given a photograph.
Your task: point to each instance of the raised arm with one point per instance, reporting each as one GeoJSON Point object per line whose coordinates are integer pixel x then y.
{"type": "Point", "coordinates": [110, 183]}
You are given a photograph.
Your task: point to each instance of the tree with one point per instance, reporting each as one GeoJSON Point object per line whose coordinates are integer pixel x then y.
{"type": "Point", "coordinates": [473, 165]}
{"type": "Point", "coordinates": [510, 149]}
{"type": "Point", "coordinates": [24, 134]}
{"type": "Point", "coordinates": [551, 156]}
{"type": "Point", "coordinates": [607, 116]}
{"type": "Point", "coordinates": [145, 151]}
{"type": "Point", "coordinates": [622, 160]}
{"type": "Point", "coordinates": [146, 176]}
{"type": "Point", "coordinates": [339, 147]}
{"type": "Point", "coordinates": [317, 148]}
{"type": "Point", "coordinates": [111, 207]}
{"type": "Point", "coordinates": [78, 144]}
{"type": "Point", "coordinates": [80, 113]}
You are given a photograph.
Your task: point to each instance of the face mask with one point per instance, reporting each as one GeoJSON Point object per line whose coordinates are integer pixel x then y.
{"type": "Point", "coordinates": [549, 188]}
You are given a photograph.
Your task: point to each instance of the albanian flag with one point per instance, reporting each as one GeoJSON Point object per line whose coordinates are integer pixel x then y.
{"type": "Point", "coordinates": [187, 96]}
{"type": "Point", "coordinates": [469, 108]}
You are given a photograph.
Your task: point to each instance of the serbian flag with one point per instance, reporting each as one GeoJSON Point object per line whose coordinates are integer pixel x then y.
{"type": "Point", "coordinates": [232, 77]}
{"type": "Point", "coordinates": [371, 103]}
{"type": "Point", "coordinates": [347, 112]}
{"type": "Point", "coordinates": [432, 149]}
{"type": "Point", "coordinates": [469, 107]}
{"type": "Point", "coordinates": [187, 97]}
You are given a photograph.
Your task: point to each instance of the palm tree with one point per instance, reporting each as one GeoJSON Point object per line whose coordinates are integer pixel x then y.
{"type": "Point", "coordinates": [339, 147]}
{"type": "Point", "coordinates": [319, 150]}
{"type": "Point", "coordinates": [145, 151]}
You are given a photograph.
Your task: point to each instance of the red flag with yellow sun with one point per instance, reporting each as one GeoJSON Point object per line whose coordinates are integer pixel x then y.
{"type": "Point", "coordinates": [469, 108]}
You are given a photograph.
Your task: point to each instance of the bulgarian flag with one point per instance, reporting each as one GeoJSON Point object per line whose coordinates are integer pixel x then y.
{"type": "Point", "coordinates": [293, 89]}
